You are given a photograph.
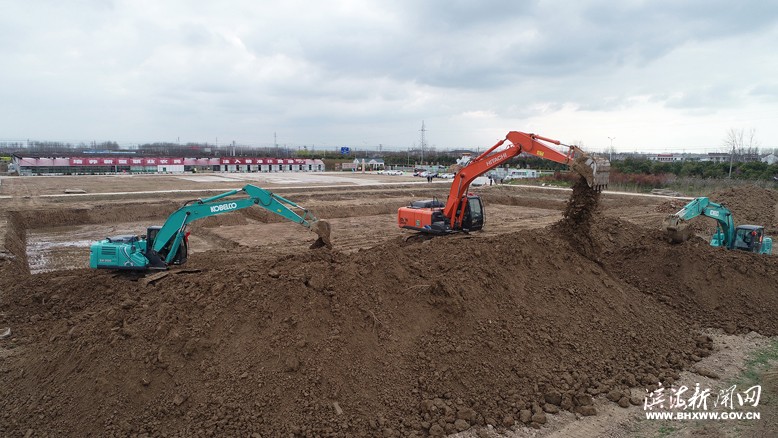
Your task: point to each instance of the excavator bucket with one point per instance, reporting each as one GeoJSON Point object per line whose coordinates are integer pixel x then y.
{"type": "Point", "coordinates": [677, 230]}
{"type": "Point", "coordinates": [595, 170]}
{"type": "Point", "coordinates": [322, 229]}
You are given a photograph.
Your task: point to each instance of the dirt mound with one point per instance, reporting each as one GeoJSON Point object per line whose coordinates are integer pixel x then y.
{"type": "Point", "coordinates": [750, 205]}
{"type": "Point", "coordinates": [404, 339]}
{"type": "Point", "coordinates": [715, 287]}
{"type": "Point", "coordinates": [407, 339]}
{"type": "Point", "coordinates": [670, 206]}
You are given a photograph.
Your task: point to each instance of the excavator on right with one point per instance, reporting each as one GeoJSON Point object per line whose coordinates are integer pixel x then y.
{"type": "Point", "coordinates": [749, 238]}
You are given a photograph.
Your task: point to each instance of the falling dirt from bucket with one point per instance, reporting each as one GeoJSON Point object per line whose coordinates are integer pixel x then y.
{"type": "Point", "coordinates": [322, 229]}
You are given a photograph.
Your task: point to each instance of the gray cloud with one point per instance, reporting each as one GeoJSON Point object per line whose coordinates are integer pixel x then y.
{"type": "Point", "coordinates": [342, 72]}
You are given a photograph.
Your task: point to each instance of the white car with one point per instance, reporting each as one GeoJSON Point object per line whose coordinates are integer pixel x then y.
{"type": "Point", "coordinates": [446, 175]}
{"type": "Point", "coordinates": [395, 172]}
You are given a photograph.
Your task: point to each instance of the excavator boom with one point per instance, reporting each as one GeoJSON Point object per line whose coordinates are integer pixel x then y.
{"type": "Point", "coordinates": [457, 215]}
{"type": "Point", "coordinates": [167, 245]}
{"type": "Point", "coordinates": [749, 238]}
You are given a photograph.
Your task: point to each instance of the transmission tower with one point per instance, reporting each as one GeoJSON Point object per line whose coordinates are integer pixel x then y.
{"type": "Point", "coordinates": [423, 131]}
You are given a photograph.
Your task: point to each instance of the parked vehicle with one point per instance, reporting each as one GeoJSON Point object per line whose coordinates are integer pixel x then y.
{"type": "Point", "coordinates": [480, 181]}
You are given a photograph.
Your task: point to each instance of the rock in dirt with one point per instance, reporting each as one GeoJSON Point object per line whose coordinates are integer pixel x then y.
{"type": "Point", "coordinates": [461, 425]}
{"type": "Point", "coordinates": [583, 400]}
{"type": "Point", "coordinates": [437, 431]}
{"type": "Point", "coordinates": [179, 399]}
{"type": "Point", "coordinates": [706, 372]}
{"type": "Point", "coordinates": [614, 395]}
{"type": "Point", "coordinates": [291, 364]}
{"type": "Point", "coordinates": [553, 397]}
{"type": "Point", "coordinates": [587, 411]}
{"type": "Point", "coordinates": [539, 418]}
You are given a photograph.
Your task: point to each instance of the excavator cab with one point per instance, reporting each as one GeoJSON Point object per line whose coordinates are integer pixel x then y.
{"type": "Point", "coordinates": [749, 238]}
{"type": "Point", "coordinates": [473, 219]}
{"type": "Point", "coordinates": [157, 260]}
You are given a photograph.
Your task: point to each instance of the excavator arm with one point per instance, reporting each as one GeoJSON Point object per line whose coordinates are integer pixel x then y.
{"type": "Point", "coordinates": [595, 171]}
{"type": "Point", "coordinates": [743, 237]}
{"type": "Point", "coordinates": [170, 236]}
{"type": "Point", "coordinates": [677, 227]}
{"type": "Point", "coordinates": [166, 245]}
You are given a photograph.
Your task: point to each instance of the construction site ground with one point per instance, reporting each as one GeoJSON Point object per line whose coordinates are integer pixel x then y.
{"type": "Point", "coordinates": [524, 329]}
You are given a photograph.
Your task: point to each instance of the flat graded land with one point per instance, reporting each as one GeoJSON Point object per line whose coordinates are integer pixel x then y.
{"type": "Point", "coordinates": [574, 307]}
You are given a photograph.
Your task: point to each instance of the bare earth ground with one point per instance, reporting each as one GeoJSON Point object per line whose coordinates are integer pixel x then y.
{"type": "Point", "coordinates": [362, 208]}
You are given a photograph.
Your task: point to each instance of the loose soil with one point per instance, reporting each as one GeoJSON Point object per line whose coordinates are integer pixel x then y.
{"type": "Point", "coordinates": [387, 338]}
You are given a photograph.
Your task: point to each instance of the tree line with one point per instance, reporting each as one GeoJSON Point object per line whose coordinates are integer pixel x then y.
{"type": "Point", "coordinates": [753, 170]}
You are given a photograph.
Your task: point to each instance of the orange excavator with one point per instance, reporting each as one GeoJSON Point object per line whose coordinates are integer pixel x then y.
{"type": "Point", "coordinates": [465, 212]}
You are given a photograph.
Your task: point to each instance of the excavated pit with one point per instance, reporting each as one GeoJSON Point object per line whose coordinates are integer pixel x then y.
{"type": "Point", "coordinates": [13, 238]}
{"type": "Point", "coordinates": [58, 238]}
{"type": "Point", "coordinates": [394, 339]}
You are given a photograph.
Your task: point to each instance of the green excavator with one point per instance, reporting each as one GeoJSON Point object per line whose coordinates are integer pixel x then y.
{"type": "Point", "coordinates": [168, 245]}
{"type": "Point", "coordinates": [749, 238]}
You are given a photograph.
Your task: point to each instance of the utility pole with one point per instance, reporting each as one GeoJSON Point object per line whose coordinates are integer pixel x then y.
{"type": "Point", "coordinates": [611, 149]}
{"type": "Point", "coordinates": [423, 131]}
{"type": "Point", "coordinates": [731, 156]}
{"type": "Point", "coordinates": [275, 143]}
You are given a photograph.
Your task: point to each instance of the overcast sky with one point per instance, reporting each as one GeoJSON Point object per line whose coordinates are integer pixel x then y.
{"type": "Point", "coordinates": [663, 75]}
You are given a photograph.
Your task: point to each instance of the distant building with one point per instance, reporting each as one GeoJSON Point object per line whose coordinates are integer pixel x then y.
{"type": "Point", "coordinates": [665, 158]}
{"type": "Point", "coordinates": [716, 157]}
{"type": "Point", "coordinates": [522, 173]}
{"type": "Point", "coordinates": [110, 165]}
{"type": "Point", "coordinates": [770, 159]}
{"type": "Point", "coordinates": [370, 164]}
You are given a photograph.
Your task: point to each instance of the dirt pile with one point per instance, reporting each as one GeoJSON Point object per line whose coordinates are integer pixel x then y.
{"type": "Point", "coordinates": [670, 206]}
{"type": "Point", "coordinates": [750, 205]}
{"type": "Point", "coordinates": [714, 287]}
{"type": "Point", "coordinates": [400, 340]}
